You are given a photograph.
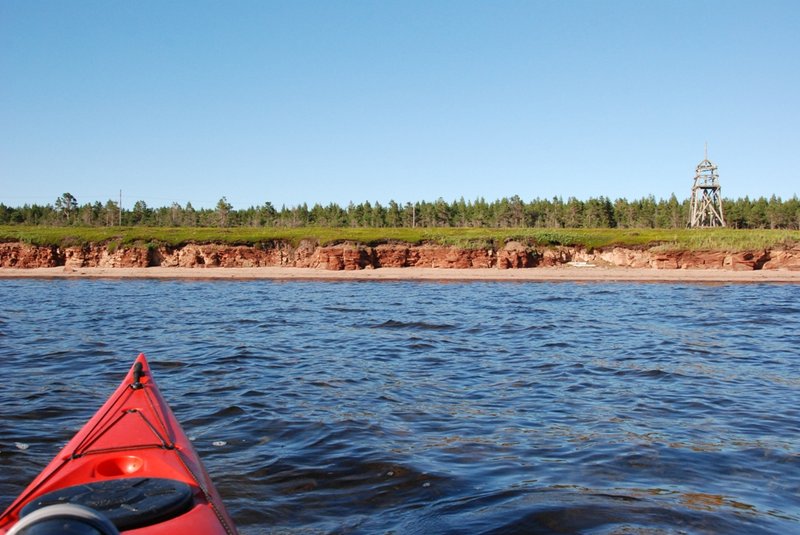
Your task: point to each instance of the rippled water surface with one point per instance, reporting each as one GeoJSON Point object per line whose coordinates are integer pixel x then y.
{"type": "Point", "coordinates": [403, 407]}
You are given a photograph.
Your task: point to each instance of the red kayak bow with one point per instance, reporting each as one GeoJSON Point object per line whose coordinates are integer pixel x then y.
{"type": "Point", "coordinates": [134, 465]}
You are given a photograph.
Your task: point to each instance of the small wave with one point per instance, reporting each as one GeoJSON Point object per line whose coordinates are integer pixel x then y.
{"type": "Point", "coordinates": [414, 325]}
{"type": "Point", "coordinates": [650, 374]}
{"type": "Point", "coordinates": [368, 484]}
{"type": "Point", "coordinates": [324, 384]}
{"type": "Point", "coordinates": [221, 415]}
{"type": "Point", "coordinates": [346, 310]}
{"type": "Point", "coordinates": [558, 345]}
{"type": "Point", "coordinates": [171, 364]}
{"type": "Point", "coordinates": [610, 519]}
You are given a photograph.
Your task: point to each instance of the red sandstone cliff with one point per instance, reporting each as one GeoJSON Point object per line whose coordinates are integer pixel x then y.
{"type": "Point", "coordinates": [353, 256]}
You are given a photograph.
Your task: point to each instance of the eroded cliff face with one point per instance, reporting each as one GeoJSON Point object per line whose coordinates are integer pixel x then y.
{"type": "Point", "coordinates": [353, 256]}
{"type": "Point", "coordinates": [20, 255]}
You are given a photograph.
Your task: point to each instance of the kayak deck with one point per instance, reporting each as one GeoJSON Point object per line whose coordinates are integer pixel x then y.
{"type": "Point", "coordinates": [132, 440]}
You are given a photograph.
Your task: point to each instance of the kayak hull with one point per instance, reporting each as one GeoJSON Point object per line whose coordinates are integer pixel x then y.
{"type": "Point", "coordinates": [133, 436]}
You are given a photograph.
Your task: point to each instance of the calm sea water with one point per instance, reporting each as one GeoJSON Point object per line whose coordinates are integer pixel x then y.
{"type": "Point", "coordinates": [402, 407]}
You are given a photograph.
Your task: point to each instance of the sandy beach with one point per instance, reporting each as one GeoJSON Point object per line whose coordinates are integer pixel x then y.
{"type": "Point", "coordinates": [565, 273]}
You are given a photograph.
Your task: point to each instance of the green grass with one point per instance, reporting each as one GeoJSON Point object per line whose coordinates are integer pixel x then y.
{"type": "Point", "coordinates": [667, 239]}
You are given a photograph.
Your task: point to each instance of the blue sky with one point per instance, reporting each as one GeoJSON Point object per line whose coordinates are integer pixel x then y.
{"type": "Point", "coordinates": [337, 101]}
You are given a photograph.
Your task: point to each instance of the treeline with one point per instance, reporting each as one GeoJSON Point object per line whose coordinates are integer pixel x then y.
{"type": "Point", "coordinates": [601, 212]}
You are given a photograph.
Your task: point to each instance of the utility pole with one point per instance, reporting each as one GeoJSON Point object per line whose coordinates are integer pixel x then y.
{"type": "Point", "coordinates": [120, 208]}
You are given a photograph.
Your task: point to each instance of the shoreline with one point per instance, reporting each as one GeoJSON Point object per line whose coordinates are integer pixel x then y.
{"type": "Point", "coordinates": [538, 274]}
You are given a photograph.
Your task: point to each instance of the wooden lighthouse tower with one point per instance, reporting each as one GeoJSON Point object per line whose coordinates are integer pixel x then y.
{"type": "Point", "coordinates": [706, 198]}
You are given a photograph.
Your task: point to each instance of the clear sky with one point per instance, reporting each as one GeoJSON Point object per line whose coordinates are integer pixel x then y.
{"type": "Point", "coordinates": [353, 100]}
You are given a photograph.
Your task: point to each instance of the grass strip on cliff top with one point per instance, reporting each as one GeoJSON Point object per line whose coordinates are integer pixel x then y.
{"type": "Point", "coordinates": [470, 238]}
